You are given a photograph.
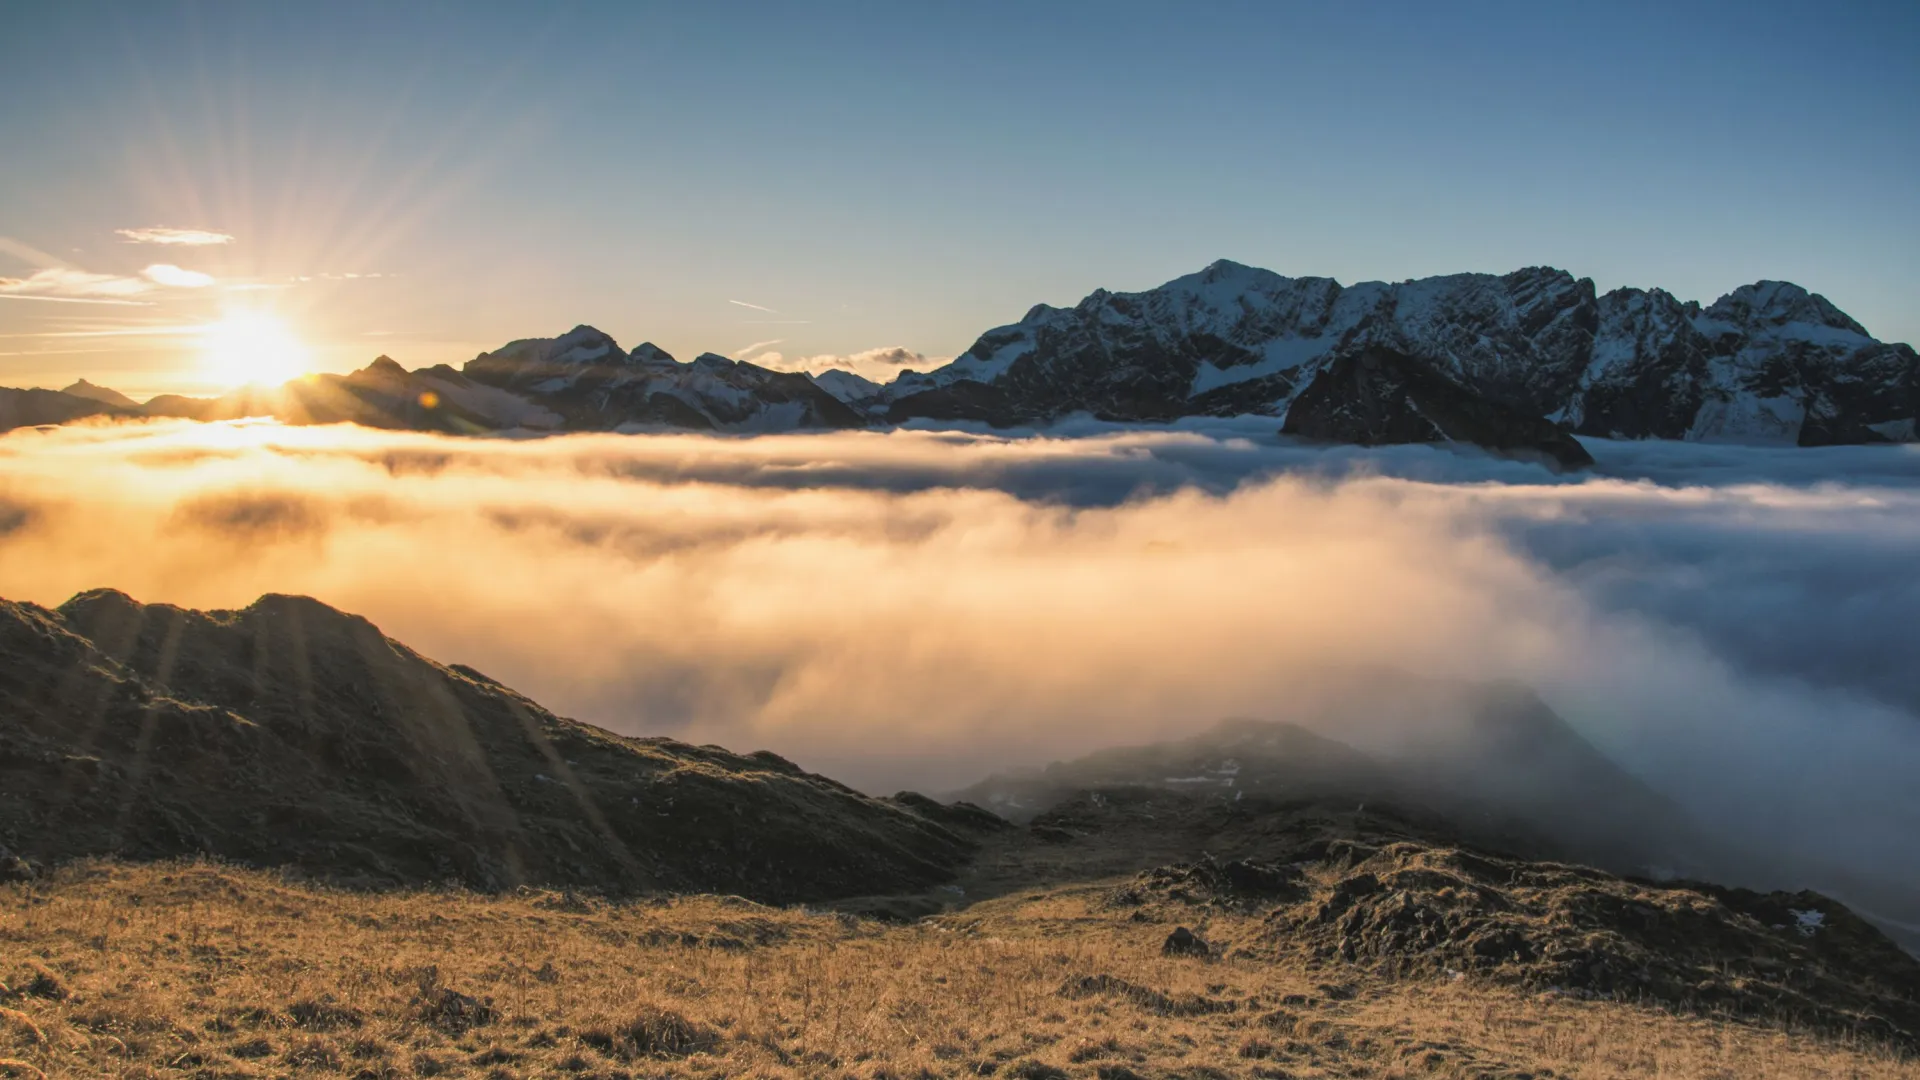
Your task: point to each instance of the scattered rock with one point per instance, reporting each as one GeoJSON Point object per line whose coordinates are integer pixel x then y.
{"type": "Point", "coordinates": [448, 1009]}
{"type": "Point", "coordinates": [1233, 882]}
{"type": "Point", "coordinates": [14, 868]}
{"type": "Point", "coordinates": [1183, 942]}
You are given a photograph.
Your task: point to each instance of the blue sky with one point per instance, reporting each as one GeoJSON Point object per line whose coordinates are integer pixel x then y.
{"type": "Point", "coordinates": [882, 175]}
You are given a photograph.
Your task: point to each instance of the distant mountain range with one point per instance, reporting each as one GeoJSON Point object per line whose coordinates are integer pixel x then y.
{"type": "Point", "coordinates": [1517, 363]}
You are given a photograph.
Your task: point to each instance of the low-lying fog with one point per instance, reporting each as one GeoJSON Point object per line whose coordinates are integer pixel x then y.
{"type": "Point", "coordinates": [912, 609]}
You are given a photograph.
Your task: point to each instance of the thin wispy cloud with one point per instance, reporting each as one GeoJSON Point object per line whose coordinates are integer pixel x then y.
{"type": "Point", "coordinates": [755, 307]}
{"type": "Point", "coordinates": [67, 284]}
{"type": "Point", "coordinates": [62, 284]}
{"type": "Point", "coordinates": [742, 354]}
{"type": "Point", "coordinates": [168, 330]}
{"type": "Point", "coordinates": [175, 277]}
{"type": "Point", "coordinates": [5, 295]}
{"type": "Point", "coordinates": [180, 237]}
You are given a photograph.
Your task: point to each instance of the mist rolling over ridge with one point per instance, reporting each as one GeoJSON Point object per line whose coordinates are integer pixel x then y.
{"type": "Point", "coordinates": [918, 608]}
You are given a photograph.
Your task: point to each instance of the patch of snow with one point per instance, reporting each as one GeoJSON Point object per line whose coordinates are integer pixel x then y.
{"type": "Point", "coordinates": [778, 417]}
{"type": "Point", "coordinates": [1744, 417]}
{"type": "Point", "coordinates": [1809, 922]}
{"type": "Point", "coordinates": [1281, 354]}
{"type": "Point", "coordinates": [986, 369]}
{"type": "Point", "coordinates": [847, 386]}
{"type": "Point", "coordinates": [1896, 430]}
{"type": "Point", "coordinates": [503, 407]}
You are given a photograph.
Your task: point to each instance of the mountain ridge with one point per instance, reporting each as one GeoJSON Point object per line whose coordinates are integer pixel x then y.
{"type": "Point", "coordinates": [290, 734]}
{"type": "Point", "coordinates": [1518, 363]}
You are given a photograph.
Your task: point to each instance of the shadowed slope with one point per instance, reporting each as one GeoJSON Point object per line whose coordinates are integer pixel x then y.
{"type": "Point", "coordinates": [292, 734]}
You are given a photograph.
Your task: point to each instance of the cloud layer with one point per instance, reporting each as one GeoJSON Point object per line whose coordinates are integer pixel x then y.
{"type": "Point", "coordinates": [917, 607]}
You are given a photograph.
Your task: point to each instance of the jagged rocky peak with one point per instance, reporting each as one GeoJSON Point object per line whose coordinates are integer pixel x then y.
{"type": "Point", "coordinates": [385, 365]}
{"type": "Point", "coordinates": [648, 353]}
{"type": "Point", "coordinates": [1768, 362]}
{"type": "Point", "coordinates": [536, 362]}
{"type": "Point", "coordinates": [848, 386]}
{"type": "Point", "coordinates": [1773, 304]}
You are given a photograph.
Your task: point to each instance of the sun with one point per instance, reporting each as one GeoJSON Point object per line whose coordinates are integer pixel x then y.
{"type": "Point", "coordinates": [248, 347]}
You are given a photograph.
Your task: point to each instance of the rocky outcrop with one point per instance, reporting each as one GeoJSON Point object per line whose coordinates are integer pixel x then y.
{"type": "Point", "coordinates": [1399, 901]}
{"type": "Point", "coordinates": [1378, 397]}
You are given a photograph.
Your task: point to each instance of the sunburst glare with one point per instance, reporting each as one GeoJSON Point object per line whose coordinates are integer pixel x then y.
{"type": "Point", "coordinates": [247, 347]}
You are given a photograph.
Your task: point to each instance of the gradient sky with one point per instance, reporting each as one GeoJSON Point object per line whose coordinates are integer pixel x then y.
{"type": "Point", "coordinates": [884, 175]}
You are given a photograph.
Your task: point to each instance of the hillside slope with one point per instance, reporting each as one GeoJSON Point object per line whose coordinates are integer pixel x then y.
{"type": "Point", "coordinates": [290, 734]}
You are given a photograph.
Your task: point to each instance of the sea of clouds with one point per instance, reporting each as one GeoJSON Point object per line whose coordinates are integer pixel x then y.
{"type": "Point", "coordinates": [1735, 625]}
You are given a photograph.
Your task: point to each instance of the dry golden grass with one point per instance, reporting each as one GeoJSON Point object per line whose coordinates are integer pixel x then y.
{"type": "Point", "coordinates": [204, 971]}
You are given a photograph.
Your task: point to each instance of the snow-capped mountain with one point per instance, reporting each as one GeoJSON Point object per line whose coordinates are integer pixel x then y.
{"type": "Point", "coordinates": [583, 376]}
{"type": "Point", "coordinates": [1768, 362]}
{"type": "Point", "coordinates": [1518, 363]}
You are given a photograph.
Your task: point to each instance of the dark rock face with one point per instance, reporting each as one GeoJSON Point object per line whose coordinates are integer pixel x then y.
{"type": "Point", "coordinates": [1653, 367]}
{"type": "Point", "coordinates": [290, 734]}
{"type": "Point", "coordinates": [1377, 397]}
{"type": "Point", "coordinates": [965, 400]}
